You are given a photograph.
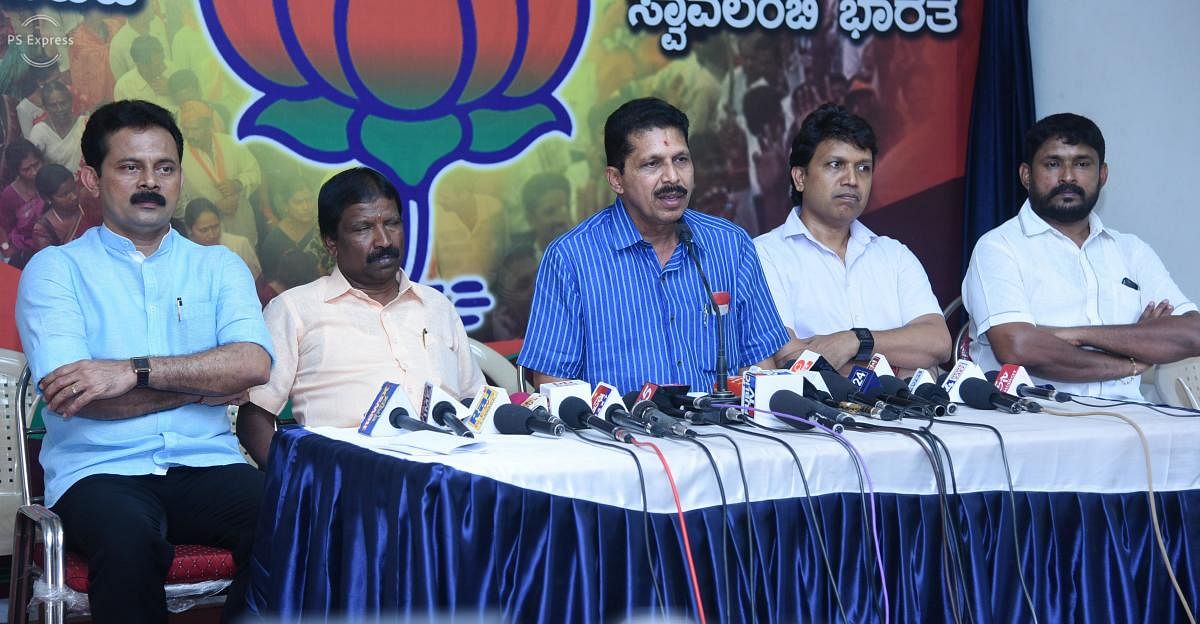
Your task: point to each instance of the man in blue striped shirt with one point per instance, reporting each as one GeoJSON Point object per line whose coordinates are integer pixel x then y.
{"type": "Point", "coordinates": [617, 297]}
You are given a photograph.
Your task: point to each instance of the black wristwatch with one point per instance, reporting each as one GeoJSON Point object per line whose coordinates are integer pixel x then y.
{"type": "Point", "coordinates": [141, 366]}
{"type": "Point", "coordinates": [866, 343]}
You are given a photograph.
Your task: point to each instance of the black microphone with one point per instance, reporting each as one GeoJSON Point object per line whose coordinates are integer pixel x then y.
{"type": "Point", "coordinates": [848, 397]}
{"type": "Point", "coordinates": [659, 423]}
{"type": "Point", "coordinates": [980, 394]}
{"type": "Point", "coordinates": [516, 419]}
{"type": "Point", "coordinates": [1024, 404]}
{"type": "Point", "coordinates": [895, 392]}
{"type": "Point", "coordinates": [401, 420]}
{"type": "Point", "coordinates": [576, 414]}
{"type": "Point", "coordinates": [722, 393]}
{"type": "Point", "coordinates": [788, 402]}
{"type": "Point", "coordinates": [1036, 392]}
{"type": "Point", "coordinates": [444, 414]}
{"type": "Point", "coordinates": [935, 394]}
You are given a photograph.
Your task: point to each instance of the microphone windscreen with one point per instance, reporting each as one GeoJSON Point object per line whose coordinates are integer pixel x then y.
{"type": "Point", "coordinates": [991, 376]}
{"type": "Point", "coordinates": [630, 398]}
{"type": "Point", "coordinates": [788, 402]}
{"type": "Point", "coordinates": [892, 385]}
{"type": "Point", "coordinates": [839, 387]}
{"type": "Point", "coordinates": [512, 419]}
{"type": "Point", "coordinates": [977, 393]}
{"type": "Point", "coordinates": [932, 392]}
{"type": "Point", "coordinates": [574, 412]}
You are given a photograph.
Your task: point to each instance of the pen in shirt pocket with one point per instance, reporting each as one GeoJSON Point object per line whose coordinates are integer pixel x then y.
{"type": "Point", "coordinates": [179, 309]}
{"type": "Point", "coordinates": [425, 339]}
{"type": "Point", "coordinates": [1130, 283]}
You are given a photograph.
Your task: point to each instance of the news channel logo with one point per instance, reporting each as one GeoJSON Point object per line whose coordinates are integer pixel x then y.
{"type": "Point", "coordinates": [37, 22]}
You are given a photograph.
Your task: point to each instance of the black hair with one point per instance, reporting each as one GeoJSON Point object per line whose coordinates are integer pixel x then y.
{"type": "Point", "coordinates": [49, 178]}
{"type": "Point", "coordinates": [197, 207]}
{"type": "Point", "coordinates": [182, 79]}
{"type": "Point", "coordinates": [1070, 128]}
{"type": "Point", "coordinates": [16, 153]}
{"type": "Point", "coordinates": [55, 86]}
{"type": "Point", "coordinates": [116, 116]}
{"type": "Point", "coordinates": [541, 183]}
{"type": "Point", "coordinates": [829, 121]}
{"type": "Point", "coordinates": [762, 106]}
{"type": "Point", "coordinates": [143, 48]}
{"type": "Point", "coordinates": [359, 185]}
{"type": "Point", "coordinates": [636, 116]}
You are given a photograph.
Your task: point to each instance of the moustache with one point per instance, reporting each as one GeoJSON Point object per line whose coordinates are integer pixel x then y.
{"type": "Point", "coordinates": [671, 190]}
{"type": "Point", "coordinates": [1067, 187]}
{"type": "Point", "coordinates": [147, 197]}
{"type": "Point", "coordinates": [383, 252]}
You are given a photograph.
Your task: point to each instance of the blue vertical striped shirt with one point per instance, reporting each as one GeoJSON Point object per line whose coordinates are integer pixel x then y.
{"type": "Point", "coordinates": [604, 309]}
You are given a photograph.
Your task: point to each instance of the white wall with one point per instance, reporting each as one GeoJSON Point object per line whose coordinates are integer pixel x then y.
{"type": "Point", "coordinates": [1133, 68]}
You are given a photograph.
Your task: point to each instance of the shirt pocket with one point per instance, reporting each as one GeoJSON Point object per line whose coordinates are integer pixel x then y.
{"type": "Point", "coordinates": [193, 327]}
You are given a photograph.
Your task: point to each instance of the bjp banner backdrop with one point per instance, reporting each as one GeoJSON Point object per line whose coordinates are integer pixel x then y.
{"type": "Point", "coordinates": [488, 116]}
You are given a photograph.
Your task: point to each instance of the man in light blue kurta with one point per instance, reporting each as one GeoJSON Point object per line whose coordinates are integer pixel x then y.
{"type": "Point", "coordinates": [137, 339]}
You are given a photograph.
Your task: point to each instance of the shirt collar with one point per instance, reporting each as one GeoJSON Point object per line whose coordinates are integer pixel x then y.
{"type": "Point", "coordinates": [123, 245]}
{"type": "Point", "coordinates": [793, 227]}
{"type": "Point", "coordinates": [1033, 225]}
{"type": "Point", "coordinates": [626, 234]}
{"type": "Point", "coordinates": [337, 285]}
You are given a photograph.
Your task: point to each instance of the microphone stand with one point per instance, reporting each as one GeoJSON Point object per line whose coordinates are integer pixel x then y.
{"type": "Point", "coordinates": [722, 393]}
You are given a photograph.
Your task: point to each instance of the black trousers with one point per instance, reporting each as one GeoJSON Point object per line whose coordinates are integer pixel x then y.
{"type": "Point", "coordinates": [125, 526]}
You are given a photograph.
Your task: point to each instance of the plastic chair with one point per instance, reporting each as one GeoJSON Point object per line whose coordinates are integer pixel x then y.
{"type": "Point", "coordinates": [198, 574]}
{"type": "Point", "coordinates": [496, 368]}
{"type": "Point", "coordinates": [1179, 382]}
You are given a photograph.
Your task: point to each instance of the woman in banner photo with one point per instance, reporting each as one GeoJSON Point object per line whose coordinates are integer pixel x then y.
{"type": "Point", "coordinates": [292, 252]}
{"type": "Point", "coordinates": [65, 218]}
{"type": "Point", "coordinates": [20, 204]}
{"type": "Point", "coordinates": [58, 134]}
{"type": "Point", "coordinates": [203, 222]}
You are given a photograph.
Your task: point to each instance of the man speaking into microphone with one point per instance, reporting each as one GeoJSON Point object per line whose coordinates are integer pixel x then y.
{"type": "Point", "coordinates": [1076, 303]}
{"type": "Point", "coordinates": [619, 299]}
{"type": "Point", "coordinates": [845, 291]}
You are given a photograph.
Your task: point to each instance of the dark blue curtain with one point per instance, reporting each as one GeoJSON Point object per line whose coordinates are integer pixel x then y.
{"type": "Point", "coordinates": [1002, 109]}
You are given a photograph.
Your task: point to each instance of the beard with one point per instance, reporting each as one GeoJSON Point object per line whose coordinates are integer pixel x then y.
{"type": "Point", "coordinates": [1044, 206]}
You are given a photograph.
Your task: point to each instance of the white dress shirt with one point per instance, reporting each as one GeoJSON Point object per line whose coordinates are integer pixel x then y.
{"type": "Point", "coordinates": [1025, 271]}
{"type": "Point", "coordinates": [881, 285]}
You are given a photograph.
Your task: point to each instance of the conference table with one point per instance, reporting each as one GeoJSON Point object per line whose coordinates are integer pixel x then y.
{"type": "Point", "coordinates": [541, 529]}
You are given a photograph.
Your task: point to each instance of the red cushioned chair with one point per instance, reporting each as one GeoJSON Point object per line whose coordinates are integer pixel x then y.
{"type": "Point", "coordinates": [198, 574]}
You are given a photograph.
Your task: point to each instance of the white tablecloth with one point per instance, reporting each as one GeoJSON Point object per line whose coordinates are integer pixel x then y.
{"type": "Point", "coordinates": [1046, 453]}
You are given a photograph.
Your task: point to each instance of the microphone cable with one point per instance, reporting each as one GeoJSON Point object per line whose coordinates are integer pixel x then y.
{"type": "Point", "coordinates": [1158, 538]}
{"type": "Point", "coordinates": [870, 491]}
{"type": "Point", "coordinates": [951, 557]}
{"type": "Point", "coordinates": [658, 592]}
{"type": "Point", "coordinates": [750, 541]}
{"type": "Point", "coordinates": [712, 461]}
{"type": "Point", "coordinates": [818, 530]}
{"type": "Point", "coordinates": [1012, 502]}
{"type": "Point", "coordinates": [1155, 407]}
{"type": "Point", "coordinates": [687, 543]}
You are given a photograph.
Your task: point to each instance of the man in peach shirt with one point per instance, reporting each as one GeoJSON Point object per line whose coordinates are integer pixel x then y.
{"type": "Point", "coordinates": [340, 337]}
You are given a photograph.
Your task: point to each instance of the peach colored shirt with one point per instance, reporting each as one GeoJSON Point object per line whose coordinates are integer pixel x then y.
{"type": "Point", "coordinates": [335, 346]}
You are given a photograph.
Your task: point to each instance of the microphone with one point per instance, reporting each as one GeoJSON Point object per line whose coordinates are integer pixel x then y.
{"type": "Point", "coordinates": [1002, 386]}
{"type": "Point", "coordinates": [577, 414]}
{"type": "Point", "coordinates": [895, 392]}
{"type": "Point", "coordinates": [658, 423]}
{"type": "Point", "coordinates": [719, 306]}
{"type": "Point", "coordinates": [445, 414]}
{"type": "Point", "coordinates": [849, 398]}
{"type": "Point", "coordinates": [980, 394]}
{"type": "Point", "coordinates": [400, 419]}
{"type": "Point", "coordinates": [936, 395]}
{"type": "Point", "coordinates": [514, 419]}
{"type": "Point", "coordinates": [788, 402]}
{"type": "Point", "coordinates": [1013, 379]}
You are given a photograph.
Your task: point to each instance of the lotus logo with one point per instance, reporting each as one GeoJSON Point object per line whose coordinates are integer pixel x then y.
{"type": "Point", "coordinates": [406, 87]}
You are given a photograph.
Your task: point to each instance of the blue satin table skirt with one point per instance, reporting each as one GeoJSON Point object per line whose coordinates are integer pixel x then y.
{"type": "Point", "coordinates": [348, 532]}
